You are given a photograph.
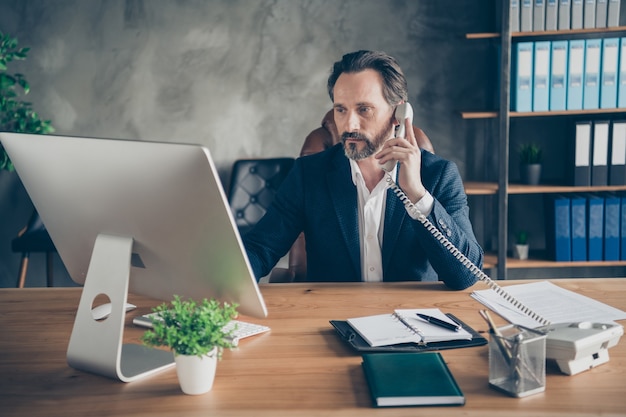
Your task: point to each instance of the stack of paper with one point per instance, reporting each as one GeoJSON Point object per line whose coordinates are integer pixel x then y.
{"type": "Point", "coordinates": [551, 302]}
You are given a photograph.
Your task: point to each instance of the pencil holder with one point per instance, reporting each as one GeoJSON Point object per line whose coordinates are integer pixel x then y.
{"type": "Point", "coordinates": [517, 361]}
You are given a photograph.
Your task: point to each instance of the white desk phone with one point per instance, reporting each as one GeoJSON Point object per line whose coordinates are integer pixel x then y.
{"type": "Point", "coordinates": [575, 347]}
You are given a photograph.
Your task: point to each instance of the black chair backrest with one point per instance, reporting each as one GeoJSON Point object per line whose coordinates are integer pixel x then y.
{"type": "Point", "coordinates": [34, 238]}
{"type": "Point", "coordinates": [253, 185]}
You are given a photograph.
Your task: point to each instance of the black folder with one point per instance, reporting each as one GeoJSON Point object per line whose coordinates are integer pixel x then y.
{"type": "Point", "coordinates": [348, 335]}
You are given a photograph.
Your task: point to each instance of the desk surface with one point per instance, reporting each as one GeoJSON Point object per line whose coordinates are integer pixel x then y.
{"type": "Point", "coordinates": [300, 368]}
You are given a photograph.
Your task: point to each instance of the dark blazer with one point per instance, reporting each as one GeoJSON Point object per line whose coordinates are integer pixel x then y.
{"type": "Point", "coordinates": [319, 198]}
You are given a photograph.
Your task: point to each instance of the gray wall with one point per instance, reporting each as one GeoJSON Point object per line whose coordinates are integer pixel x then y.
{"type": "Point", "coordinates": [244, 77]}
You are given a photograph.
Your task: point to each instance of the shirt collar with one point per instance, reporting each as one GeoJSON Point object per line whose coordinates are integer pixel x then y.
{"type": "Point", "coordinates": [356, 171]}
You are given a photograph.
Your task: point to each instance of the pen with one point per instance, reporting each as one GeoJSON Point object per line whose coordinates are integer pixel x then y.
{"type": "Point", "coordinates": [434, 320]}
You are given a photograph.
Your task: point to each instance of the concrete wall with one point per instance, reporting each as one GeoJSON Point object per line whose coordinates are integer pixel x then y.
{"type": "Point", "coordinates": [244, 77]}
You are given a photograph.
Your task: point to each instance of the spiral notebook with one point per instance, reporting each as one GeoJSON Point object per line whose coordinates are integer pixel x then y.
{"type": "Point", "coordinates": [404, 326]}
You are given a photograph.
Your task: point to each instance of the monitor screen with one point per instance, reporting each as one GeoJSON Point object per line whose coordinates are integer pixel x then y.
{"type": "Point", "coordinates": [167, 197]}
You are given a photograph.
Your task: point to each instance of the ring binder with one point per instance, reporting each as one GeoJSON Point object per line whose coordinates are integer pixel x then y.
{"type": "Point", "coordinates": [357, 343]}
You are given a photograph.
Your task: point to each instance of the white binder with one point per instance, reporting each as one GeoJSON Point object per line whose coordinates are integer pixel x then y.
{"type": "Point", "coordinates": [589, 14]}
{"type": "Point", "coordinates": [565, 10]}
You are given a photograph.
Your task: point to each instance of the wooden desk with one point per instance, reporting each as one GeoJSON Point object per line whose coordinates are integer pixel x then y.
{"type": "Point", "coordinates": [300, 368]}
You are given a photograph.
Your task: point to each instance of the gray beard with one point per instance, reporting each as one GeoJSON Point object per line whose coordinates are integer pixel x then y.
{"type": "Point", "coordinates": [352, 151]}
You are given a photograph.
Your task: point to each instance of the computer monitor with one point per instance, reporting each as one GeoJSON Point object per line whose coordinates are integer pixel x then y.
{"type": "Point", "coordinates": [133, 216]}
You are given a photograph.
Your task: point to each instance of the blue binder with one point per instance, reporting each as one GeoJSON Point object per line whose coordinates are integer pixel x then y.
{"type": "Point", "coordinates": [558, 225]}
{"type": "Point", "coordinates": [621, 89]}
{"type": "Point", "coordinates": [591, 78]}
{"type": "Point", "coordinates": [611, 227]}
{"type": "Point", "coordinates": [541, 76]}
{"type": "Point", "coordinates": [558, 75]}
{"type": "Point", "coordinates": [523, 88]}
{"type": "Point", "coordinates": [622, 234]}
{"type": "Point", "coordinates": [608, 80]}
{"type": "Point", "coordinates": [595, 231]}
{"type": "Point", "coordinates": [579, 227]}
{"type": "Point", "coordinates": [575, 71]}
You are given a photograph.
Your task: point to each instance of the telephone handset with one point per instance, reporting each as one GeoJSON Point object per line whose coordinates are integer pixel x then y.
{"type": "Point", "coordinates": [574, 347]}
{"type": "Point", "coordinates": [403, 111]}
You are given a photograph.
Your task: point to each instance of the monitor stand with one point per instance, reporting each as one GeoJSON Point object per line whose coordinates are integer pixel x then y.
{"type": "Point", "coordinates": [96, 346]}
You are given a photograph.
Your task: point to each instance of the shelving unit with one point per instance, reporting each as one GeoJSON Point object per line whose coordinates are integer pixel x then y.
{"type": "Point", "coordinates": [503, 188]}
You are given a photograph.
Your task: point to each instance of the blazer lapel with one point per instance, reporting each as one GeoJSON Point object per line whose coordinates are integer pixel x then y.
{"type": "Point", "coordinates": [344, 200]}
{"type": "Point", "coordinates": [395, 214]}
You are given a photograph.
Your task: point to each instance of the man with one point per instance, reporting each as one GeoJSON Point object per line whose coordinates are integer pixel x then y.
{"type": "Point", "coordinates": [356, 228]}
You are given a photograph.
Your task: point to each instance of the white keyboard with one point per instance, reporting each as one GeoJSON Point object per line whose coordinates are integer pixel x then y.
{"type": "Point", "coordinates": [242, 329]}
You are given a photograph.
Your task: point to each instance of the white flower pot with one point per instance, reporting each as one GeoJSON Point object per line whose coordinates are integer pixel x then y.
{"type": "Point", "coordinates": [196, 374]}
{"type": "Point", "coordinates": [521, 252]}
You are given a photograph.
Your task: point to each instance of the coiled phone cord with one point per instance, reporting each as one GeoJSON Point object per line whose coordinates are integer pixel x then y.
{"type": "Point", "coordinates": [478, 273]}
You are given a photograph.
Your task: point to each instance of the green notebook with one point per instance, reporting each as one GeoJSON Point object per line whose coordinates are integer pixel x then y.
{"type": "Point", "coordinates": [407, 379]}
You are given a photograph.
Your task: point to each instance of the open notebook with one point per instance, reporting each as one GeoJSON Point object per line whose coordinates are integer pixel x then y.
{"type": "Point", "coordinates": [404, 326]}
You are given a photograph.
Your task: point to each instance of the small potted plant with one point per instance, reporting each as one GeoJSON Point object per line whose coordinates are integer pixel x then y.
{"type": "Point", "coordinates": [195, 334]}
{"type": "Point", "coordinates": [530, 159]}
{"type": "Point", "coordinates": [16, 115]}
{"type": "Point", "coordinates": [521, 245]}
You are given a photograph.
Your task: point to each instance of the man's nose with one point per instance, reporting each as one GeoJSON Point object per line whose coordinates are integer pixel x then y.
{"type": "Point", "coordinates": [353, 121]}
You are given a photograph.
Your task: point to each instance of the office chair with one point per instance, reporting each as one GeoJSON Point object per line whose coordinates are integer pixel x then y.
{"type": "Point", "coordinates": [318, 140]}
{"type": "Point", "coordinates": [253, 185]}
{"type": "Point", "coordinates": [34, 238]}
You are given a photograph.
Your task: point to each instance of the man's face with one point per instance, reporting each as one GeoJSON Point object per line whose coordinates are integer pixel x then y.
{"type": "Point", "coordinates": [362, 115]}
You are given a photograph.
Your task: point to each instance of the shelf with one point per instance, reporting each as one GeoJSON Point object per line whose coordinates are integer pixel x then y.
{"type": "Point", "coordinates": [549, 189]}
{"type": "Point", "coordinates": [498, 121]}
{"type": "Point", "coordinates": [513, 263]}
{"type": "Point", "coordinates": [490, 260]}
{"type": "Point", "coordinates": [486, 35]}
{"type": "Point", "coordinates": [495, 114]}
{"type": "Point", "coordinates": [480, 188]}
{"type": "Point", "coordinates": [565, 112]}
{"type": "Point", "coordinates": [568, 32]}
{"type": "Point", "coordinates": [495, 35]}
{"type": "Point", "coordinates": [479, 114]}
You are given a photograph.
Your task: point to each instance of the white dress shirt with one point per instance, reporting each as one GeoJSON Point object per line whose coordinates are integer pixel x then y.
{"type": "Point", "coordinates": [371, 221]}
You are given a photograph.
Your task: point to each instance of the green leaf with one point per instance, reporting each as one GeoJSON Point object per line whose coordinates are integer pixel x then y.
{"type": "Point", "coordinates": [6, 81]}
{"type": "Point", "coordinates": [22, 53]}
{"type": "Point", "coordinates": [24, 84]}
{"type": "Point", "coordinates": [16, 115]}
{"type": "Point", "coordinates": [191, 328]}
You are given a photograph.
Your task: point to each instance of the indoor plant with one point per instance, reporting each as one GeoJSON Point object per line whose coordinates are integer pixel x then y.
{"type": "Point", "coordinates": [521, 245]}
{"type": "Point", "coordinates": [195, 333]}
{"type": "Point", "coordinates": [16, 115]}
{"type": "Point", "coordinates": [530, 159]}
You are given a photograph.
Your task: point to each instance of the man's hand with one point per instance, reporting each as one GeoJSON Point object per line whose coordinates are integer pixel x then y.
{"type": "Point", "coordinates": [407, 153]}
